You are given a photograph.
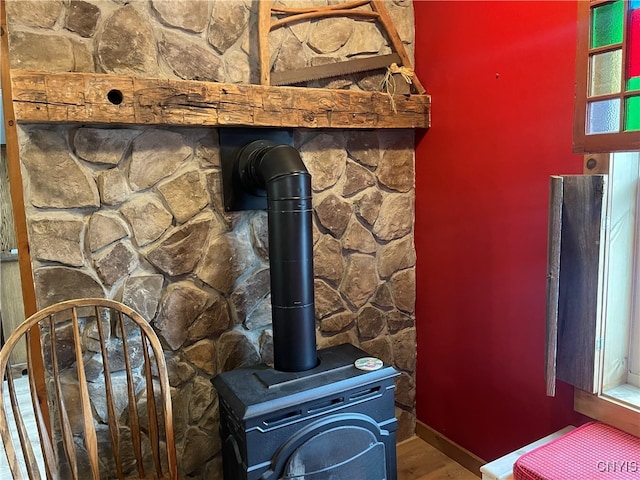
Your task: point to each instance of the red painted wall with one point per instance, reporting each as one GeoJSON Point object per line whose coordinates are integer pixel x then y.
{"type": "Point", "coordinates": [501, 76]}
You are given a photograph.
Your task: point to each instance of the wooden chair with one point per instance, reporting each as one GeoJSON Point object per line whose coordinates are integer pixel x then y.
{"type": "Point", "coordinates": [104, 408]}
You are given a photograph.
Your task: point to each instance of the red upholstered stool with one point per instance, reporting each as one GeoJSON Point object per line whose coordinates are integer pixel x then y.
{"type": "Point", "coordinates": [593, 451]}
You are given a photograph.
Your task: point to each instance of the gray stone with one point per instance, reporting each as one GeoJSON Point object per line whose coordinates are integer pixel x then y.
{"type": "Point", "coordinates": [82, 18]}
{"type": "Point", "coordinates": [155, 155]}
{"type": "Point", "coordinates": [203, 396]}
{"type": "Point", "coordinates": [228, 20]}
{"type": "Point", "coordinates": [371, 323]}
{"type": "Point", "coordinates": [396, 255]}
{"type": "Point", "coordinates": [337, 323]}
{"type": "Point", "coordinates": [265, 344]}
{"type": "Point", "coordinates": [406, 424]}
{"type": "Point", "coordinates": [55, 284]}
{"type": "Point", "coordinates": [226, 259]}
{"type": "Point", "coordinates": [125, 28]}
{"type": "Point", "coordinates": [363, 147]}
{"type": "Point", "coordinates": [402, 18]}
{"type": "Point", "coordinates": [360, 279]}
{"type": "Point", "coordinates": [179, 371]}
{"type": "Point", "coordinates": [183, 302]}
{"type": "Point", "coordinates": [55, 178]}
{"type": "Point", "coordinates": [334, 214]}
{"type": "Point", "coordinates": [327, 300]}
{"type": "Point", "coordinates": [197, 449]}
{"type": "Point", "coordinates": [395, 170]}
{"type": "Point", "coordinates": [190, 60]}
{"type": "Point", "coordinates": [103, 146]}
{"type": "Point", "coordinates": [105, 227]}
{"type": "Point", "coordinates": [143, 293]}
{"type": "Point", "coordinates": [358, 239]}
{"type": "Point", "coordinates": [366, 38]}
{"type": "Point", "coordinates": [180, 251]}
{"type": "Point", "coordinates": [260, 316]}
{"type": "Point", "coordinates": [65, 348]}
{"type": "Point", "coordinates": [259, 227]}
{"type": "Point", "coordinates": [207, 150]}
{"type": "Point", "coordinates": [214, 184]}
{"type": "Point", "coordinates": [328, 262]}
{"type": "Point", "coordinates": [147, 216]}
{"type": "Point", "coordinates": [213, 321]}
{"type": "Point", "coordinates": [98, 395]}
{"type": "Point", "coordinates": [236, 350]}
{"type": "Point", "coordinates": [290, 55]}
{"type": "Point", "coordinates": [57, 238]}
{"type": "Point", "coordinates": [202, 354]}
{"type": "Point", "coordinates": [33, 13]}
{"type": "Point", "coordinates": [403, 290]}
{"type": "Point", "coordinates": [382, 299]}
{"type": "Point", "coordinates": [368, 206]}
{"type": "Point", "coordinates": [185, 195]}
{"type": "Point", "coordinates": [326, 160]}
{"type": "Point", "coordinates": [330, 34]}
{"type": "Point", "coordinates": [113, 186]}
{"type": "Point", "coordinates": [397, 321]}
{"type": "Point", "coordinates": [82, 55]}
{"type": "Point", "coordinates": [395, 219]}
{"type": "Point", "coordinates": [404, 349]}
{"type": "Point", "coordinates": [379, 347]}
{"type": "Point", "coordinates": [238, 67]}
{"type": "Point", "coordinates": [338, 339]}
{"type": "Point", "coordinates": [116, 262]}
{"type": "Point", "coordinates": [189, 15]}
{"type": "Point", "coordinates": [357, 178]}
{"type": "Point", "coordinates": [405, 393]}
{"type": "Point", "coordinates": [249, 293]}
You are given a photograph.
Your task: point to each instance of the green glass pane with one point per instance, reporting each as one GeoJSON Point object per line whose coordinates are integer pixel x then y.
{"type": "Point", "coordinates": [632, 121]}
{"type": "Point", "coordinates": [603, 116]}
{"type": "Point", "coordinates": [605, 75]}
{"type": "Point", "coordinates": [633, 84]}
{"type": "Point", "coordinates": [606, 24]}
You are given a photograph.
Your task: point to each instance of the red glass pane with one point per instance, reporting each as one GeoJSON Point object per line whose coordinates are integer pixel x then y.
{"type": "Point", "coordinates": [633, 43]}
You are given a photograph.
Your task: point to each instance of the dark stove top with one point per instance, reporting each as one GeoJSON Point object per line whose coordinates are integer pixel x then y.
{"type": "Point", "coordinates": [253, 391]}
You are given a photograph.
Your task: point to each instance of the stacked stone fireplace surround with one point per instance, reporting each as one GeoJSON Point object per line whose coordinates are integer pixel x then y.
{"type": "Point", "coordinates": [136, 214]}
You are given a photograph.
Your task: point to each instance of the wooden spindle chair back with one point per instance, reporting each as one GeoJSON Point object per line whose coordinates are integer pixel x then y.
{"type": "Point", "coordinates": [107, 393]}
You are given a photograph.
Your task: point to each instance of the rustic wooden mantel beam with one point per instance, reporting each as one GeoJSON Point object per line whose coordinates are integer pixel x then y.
{"type": "Point", "coordinates": [43, 97]}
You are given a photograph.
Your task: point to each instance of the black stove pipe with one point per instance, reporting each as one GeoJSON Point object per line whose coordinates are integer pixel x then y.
{"type": "Point", "coordinates": [279, 170]}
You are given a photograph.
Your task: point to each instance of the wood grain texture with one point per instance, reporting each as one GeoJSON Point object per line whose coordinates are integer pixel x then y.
{"type": "Point", "coordinates": [54, 98]}
{"type": "Point", "coordinates": [553, 280]}
{"type": "Point", "coordinates": [580, 277]}
{"type": "Point", "coordinates": [450, 449]}
{"type": "Point", "coordinates": [418, 460]}
{"type": "Point", "coordinates": [609, 411]}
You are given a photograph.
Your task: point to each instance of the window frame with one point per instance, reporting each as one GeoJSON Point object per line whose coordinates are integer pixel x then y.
{"type": "Point", "coordinates": [601, 405]}
{"type": "Point", "coordinates": [602, 142]}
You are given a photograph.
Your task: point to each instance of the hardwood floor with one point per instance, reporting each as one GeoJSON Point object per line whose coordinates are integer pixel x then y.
{"type": "Point", "coordinates": [417, 460]}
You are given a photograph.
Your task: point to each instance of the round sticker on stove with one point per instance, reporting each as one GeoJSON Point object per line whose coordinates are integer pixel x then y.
{"type": "Point", "coordinates": [368, 363]}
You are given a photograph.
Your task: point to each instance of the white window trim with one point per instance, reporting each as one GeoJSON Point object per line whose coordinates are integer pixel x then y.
{"type": "Point", "coordinates": [617, 400]}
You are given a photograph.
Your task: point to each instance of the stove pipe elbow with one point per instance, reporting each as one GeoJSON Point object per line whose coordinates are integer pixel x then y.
{"type": "Point", "coordinates": [279, 170]}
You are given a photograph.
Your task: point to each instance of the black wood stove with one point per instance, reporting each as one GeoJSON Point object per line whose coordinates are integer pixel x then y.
{"type": "Point", "coordinates": [331, 422]}
{"type": "Point", "coordinates": [315, 415]}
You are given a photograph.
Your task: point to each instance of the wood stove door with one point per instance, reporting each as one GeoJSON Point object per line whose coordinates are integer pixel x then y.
{"type": "Point", "coordinates": [343, 446]}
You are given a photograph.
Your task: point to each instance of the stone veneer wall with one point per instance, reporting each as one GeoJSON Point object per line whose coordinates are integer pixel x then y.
{"type": "Point", "coordinates": [135, 213]}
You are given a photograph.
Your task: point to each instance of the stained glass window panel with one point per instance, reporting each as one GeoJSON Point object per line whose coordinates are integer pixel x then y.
{"type": "Point", "coordinates": [604, 116]}
{"type": "Point", "coordinates": [632, 113]}
{"type": "Point", "coordinates": [607, 23]}
{"type": "Point", "coordinates": [606, 73]}
{"type": "Point", "coordinates": [633, 47]}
